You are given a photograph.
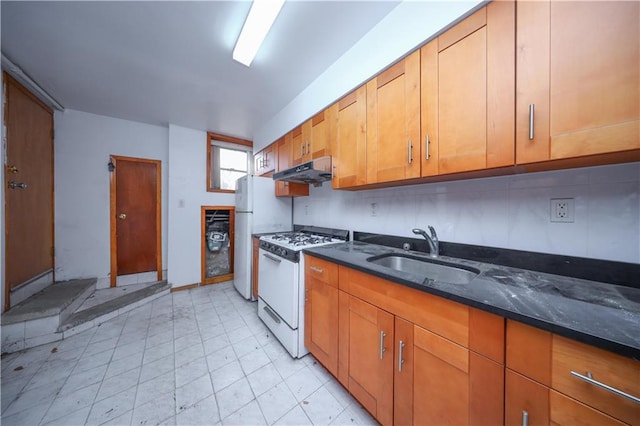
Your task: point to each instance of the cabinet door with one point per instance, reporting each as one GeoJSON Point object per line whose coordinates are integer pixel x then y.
{"type": "Point", "coordinates": [349, 155]}
{"type": "Point", "coordinates": [526, 401]}
{"type": "Point", "coordinates": [254, 270]}
{"type": "Point", "coordinates": [285, 152]}
{"type": "Point", "coordinates": [321, 317]}
{"type": "Point", "coordinates": [393, 122]}
{"type": "Point", "coordinates": [453, 385]}
{"type": "Point", "coordinates": [298, 146]}
{"type": "Point", "coordinates": [370, 371]}
{"type": "Point", "coordinates": [578, 67]}
{"type": "Point", "coordinates": [403, 375]}
{"type": "Point", "coordinates": [467, 101]}
{"type": "Point", "coordinates": [322, 132]}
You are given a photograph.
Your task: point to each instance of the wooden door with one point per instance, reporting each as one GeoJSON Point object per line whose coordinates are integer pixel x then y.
{"type": "Point", "coordinates": [321, 313]}
{"type": "Point", "coordinates": [453, 385]}
{"type": "Point", "coordinates": [322, 132]}
{"type": "Point", "coordinates": [393, 122]}
{"type": "Point", "coordinates": [371, 351]}
{"type": "Point", "coordinates": [526, 401]}
{"type": "Point", "coordinates": [350, 147]}
{"type": "Point", "coordinates": [467, 101]}
{"type": "Point", "coordinates": [136, 244]}
{"type": "Point", "coordinates": [578, 66]}
{"type": "Point", "coordinates": [298, 146]}
{"type": "Point", "coordinates": [403, 373]}
{"type": "Point", "coordinates": [29, 231]}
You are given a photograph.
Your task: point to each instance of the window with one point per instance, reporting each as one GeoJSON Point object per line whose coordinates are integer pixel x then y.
{"type": "Point", "coordinates": [228, 159]}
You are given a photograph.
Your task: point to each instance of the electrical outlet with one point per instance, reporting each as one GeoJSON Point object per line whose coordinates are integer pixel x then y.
{"type": "Point", "coordinates": [562, 210]}
{"type": "Point", "coordinates": [374, 209]}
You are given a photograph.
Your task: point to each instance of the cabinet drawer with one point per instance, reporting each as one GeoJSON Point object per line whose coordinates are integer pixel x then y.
{"type": "Point", "coordinates": [321, 270]}
{"type": "Point", "coordinates": [570, 358]}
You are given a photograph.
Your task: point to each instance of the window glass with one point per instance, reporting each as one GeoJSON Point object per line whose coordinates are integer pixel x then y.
{"type": "Point", "coordinates": [227, 163]}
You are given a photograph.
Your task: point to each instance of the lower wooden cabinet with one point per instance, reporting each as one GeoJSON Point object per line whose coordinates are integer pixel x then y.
{"type": "Point", "coordinates": [254, 270]}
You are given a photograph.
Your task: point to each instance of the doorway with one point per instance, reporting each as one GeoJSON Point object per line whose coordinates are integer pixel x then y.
{"type": "Point", "coordinates": [135, 199]}
{"type": "Point", "coordinates": [29, 211]}
{"type": "Point", "coordinates": [217, 231]}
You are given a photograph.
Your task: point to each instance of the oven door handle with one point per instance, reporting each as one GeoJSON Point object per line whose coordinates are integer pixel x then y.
{"type": "Point", "coordinates": [270, 257]}
{"type": "Point", "coordinates": [272, 314]}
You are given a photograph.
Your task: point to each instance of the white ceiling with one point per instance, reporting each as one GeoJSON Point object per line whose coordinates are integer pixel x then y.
{"type": "Point", "coordinates": [170, 62]}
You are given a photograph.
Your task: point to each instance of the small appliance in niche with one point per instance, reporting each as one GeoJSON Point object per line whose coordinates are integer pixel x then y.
{"type": "Point", "coordinates": [217, 240]}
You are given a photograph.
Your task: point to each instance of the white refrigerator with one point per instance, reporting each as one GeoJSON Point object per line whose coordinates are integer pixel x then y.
{"type": "Point", "coordinates": [257, 211]}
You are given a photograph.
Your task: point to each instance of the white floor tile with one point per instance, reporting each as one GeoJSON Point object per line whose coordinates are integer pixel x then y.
{"type": "Point", "coordinates": [157, 368]}
{"type": "Point", "coordinates": [31, 416]}
{"type": "Point", "coordinates": [71, 402]}
{"type": "Point", "coordinates": [157, 352]}
{"type": "Point", "coordinates": [226, 375]}
{"type": "Point", "coordinates": [254, 360]}
{"type": "Point", "coordinates": [85, 378]}
{"type": "Point", "coordinates": [303, 383]}
{"type": "Point", "coordinates": [321, 407]}
{"type": "Point", "coordinates": [233, 397]}
{"type": "Point", "coordinates": [264, 379]}
{"type": "Point", "coordinates": [287, 366]}
{"type": "Point", "coordinates": [156, 411]}
{"type": "Point", "coordinates": [122, 365]}
{"type": "Point", "coordinates": [295, 417]}
{"type": "Point", "coordinates": [245, 346]}
{"type": "Point", "coordinates": [43, 395]}
{"type": "Point", "coordinates": [215, 344]}
{"type": "Point", "coordinates": [117, 384]}
{"type": "Point", "coordinates": [75, 418]}
{"type": "Point", "coordinates": [152, 389]}
{"type": "Point", "coordinates": [250, 414]}
{"type": "Point", "coordinates": [111, 408]}
{"type": "Point", "coordinates": [188, 354]}
{"type": "Point", "coordinates": [189, 394]}
{"type": "Point", "coordinates": [276, 402]}
{"type": "Point", "coordinates": [190, 371]}
{"type": "Point", "coordinates": [204, 412]}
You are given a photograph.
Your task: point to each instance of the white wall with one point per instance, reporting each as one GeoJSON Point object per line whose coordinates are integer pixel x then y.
{"type": "Point", "coordinates": [83, 144]}
{"type": "Point", "coordinates": [187, 193]}
{"type": "Point", "coordinates": [508, 212]}
{"type": "Point", "coordinates": [405, 28]}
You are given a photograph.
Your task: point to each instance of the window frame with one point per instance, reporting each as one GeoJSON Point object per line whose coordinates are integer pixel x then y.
{"type": "Point", "coordinates": [243, 144]}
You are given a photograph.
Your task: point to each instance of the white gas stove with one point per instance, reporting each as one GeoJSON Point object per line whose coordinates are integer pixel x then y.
{"type": "Point", "coordinates": [281, 282]}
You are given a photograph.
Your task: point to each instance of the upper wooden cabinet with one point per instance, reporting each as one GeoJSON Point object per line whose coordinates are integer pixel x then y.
{"type": "Point", "coordinates": [322, 129]}
{"type": "Point", "coordinates": [349, 147]}
{"type": "Point", "coordinates": [265, 160]}
{"type": "Point", "coordinates": [578, 74]}
{"type": "Point", "coordinates": [393, 122]}
{"type": "Point", "coordinates": [298, 143]}
{"type": "Point", "coordinates": [284, 161]}
{"type": "Point", "coordinates": [467, 94]}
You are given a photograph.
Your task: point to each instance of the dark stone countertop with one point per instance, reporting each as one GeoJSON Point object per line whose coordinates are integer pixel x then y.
{"type": "Point", "coordinates": [599, 314]}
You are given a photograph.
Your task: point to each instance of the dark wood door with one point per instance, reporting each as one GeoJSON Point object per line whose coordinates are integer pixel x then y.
{"type": "Point", "coordinates": [29, 187]}
{"type": "Point", "coordinates": [135, 210]}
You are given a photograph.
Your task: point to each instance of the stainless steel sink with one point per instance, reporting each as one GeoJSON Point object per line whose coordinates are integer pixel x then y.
{"type": "Point", "coordinates": [430, 269]}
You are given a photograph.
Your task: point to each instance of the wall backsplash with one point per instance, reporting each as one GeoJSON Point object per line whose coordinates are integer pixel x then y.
{"type": "Point", "coordinates": [509, 211]}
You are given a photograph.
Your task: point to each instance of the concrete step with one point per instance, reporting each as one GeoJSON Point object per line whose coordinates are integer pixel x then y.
{"type": "Point", "coordinates": [35, 320]}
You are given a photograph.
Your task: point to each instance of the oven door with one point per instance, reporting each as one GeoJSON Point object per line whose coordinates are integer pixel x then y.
{"type": "Point", "coordinates": [278, 286]}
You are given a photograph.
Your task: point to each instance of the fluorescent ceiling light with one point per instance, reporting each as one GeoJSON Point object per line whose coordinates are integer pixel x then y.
{"type": "Point", "coordinates": [259, 21]}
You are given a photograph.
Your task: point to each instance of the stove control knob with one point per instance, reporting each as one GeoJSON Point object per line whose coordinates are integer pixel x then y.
{"type": "Point", "coordinates": [283, 252]}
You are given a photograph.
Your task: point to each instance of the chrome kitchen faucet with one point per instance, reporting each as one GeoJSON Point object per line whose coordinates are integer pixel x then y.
{"type": "Point", "coordinates": [434, 246]}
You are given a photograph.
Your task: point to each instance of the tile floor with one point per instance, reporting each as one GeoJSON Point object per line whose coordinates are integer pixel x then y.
{"type": "Point", "coordinates": [106, 294]}
{"type": "Point", "coordinates": [196, 357]}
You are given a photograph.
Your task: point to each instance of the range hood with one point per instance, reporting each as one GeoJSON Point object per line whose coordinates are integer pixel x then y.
{"type": "Point", "coordinates": [315, 172]}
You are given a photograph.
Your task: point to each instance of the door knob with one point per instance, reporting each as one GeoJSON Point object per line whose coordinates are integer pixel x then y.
{"type": "Point", "coordinates": [122, 216]}
{"type": "Point", "coordinates": [17, 185]}
{"type": "Point", "coordinates": [12, 169]}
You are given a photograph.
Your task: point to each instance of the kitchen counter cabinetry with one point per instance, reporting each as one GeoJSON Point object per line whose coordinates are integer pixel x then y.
{"type": "Point", "coordinates": [285, 153]}
{"type": "Point", "coordinates": [467, 94]}
{"type": "Point", "coordinates": [407, 356]}
{"type": "Point", "coordinates": [322, 128]}
{"type": "Point", "coordinates": [540, 386]}
{"type": "Point", "coordinates": [578, 69]}
{"type": "Point", "coordinates": [350, 144]}
{"type": "Point", "coordinates": [393, 122]}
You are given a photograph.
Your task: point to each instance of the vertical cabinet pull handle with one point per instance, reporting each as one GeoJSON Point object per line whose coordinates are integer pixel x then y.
{"type": "Point", "coordinates": [400, 356]}
{"type": "Point", "coordinates": [308, 147]}
{"type": "Point", "coordinates": [410, 152]}
{"type": "Point", "coordinates": [588, 377]}
{"type": "Point", "coordinates": [525, 418]}
{"type": "Point", "coordinates": [382, 349]}
{"type": "Point", "coordinates": [302, 149]}
{"type": "Point", "coordinates": [426, 147]}
{"type": "Point", "coordinates": [531, 113]}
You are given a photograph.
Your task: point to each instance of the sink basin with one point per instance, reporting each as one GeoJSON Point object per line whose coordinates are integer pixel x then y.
{"type": "Point", "coordinates": [430, 269]}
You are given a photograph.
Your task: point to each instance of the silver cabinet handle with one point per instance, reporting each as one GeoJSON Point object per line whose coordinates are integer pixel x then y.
{"type": "Point", "coordinates": [410, 153]}
{"type": "Point", "coordinates": [302, 149]}
{"type": "Point", "coordinates": [268, 256]}
{"type": "Point", "coordinates": [308, 147]}
{"type": "Point", "coordinates": [525, 418]}
{"type": "Point", "coordinates": [17, 185]}
{"type": "Point", "coordinates": [589, 379]}
{"type": "Point", "coordinates": [382, 349]}
{"type": "Point", "coordinates": [426, 147]}
{"type": "Point", "coordinates": [531, 113]}
{"type": "Point", "coordinates": [400, 360]}
{"type": "Point", "coordinates": [316, 269]}
{"type": "Point", "coordinates": [272, 314]}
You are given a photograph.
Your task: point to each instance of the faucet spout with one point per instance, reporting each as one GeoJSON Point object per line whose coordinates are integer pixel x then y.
{"type": "Point", "coordinates": [432, 240]}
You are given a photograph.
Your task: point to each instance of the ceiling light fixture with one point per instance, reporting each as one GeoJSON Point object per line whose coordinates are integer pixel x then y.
{"type": "Point", "coordinates": [259, 21]}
